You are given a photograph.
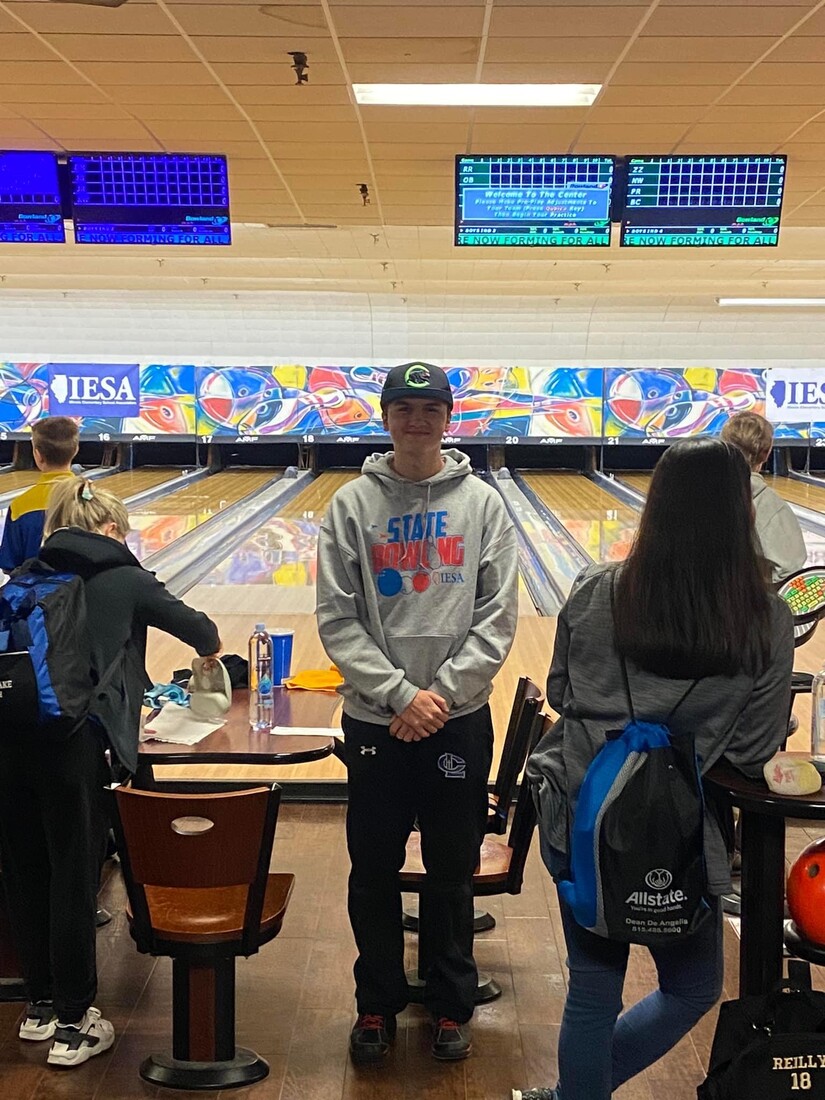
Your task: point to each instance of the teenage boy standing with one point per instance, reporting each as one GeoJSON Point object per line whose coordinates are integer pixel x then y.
{"type": "Point", "coordinates": [55, 443]}
{"type": "Point", "coordinates": [417, 606]}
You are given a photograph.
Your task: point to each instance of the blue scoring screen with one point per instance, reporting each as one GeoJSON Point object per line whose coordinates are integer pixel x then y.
{"type": "Point", "coordinates": [730, 200]}
{"type": "Point", "coordinates": [150, 198]}
{"type": "Point", "coordinates": [30, 209]}
{"type": "Point", "coordinates": [539, 201]}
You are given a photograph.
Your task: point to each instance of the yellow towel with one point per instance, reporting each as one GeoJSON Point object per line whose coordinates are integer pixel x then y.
{"type": "Point", "coordinates": [316, 679]}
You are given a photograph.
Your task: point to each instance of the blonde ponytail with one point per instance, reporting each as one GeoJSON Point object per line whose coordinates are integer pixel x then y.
{"type": "Point", "coordinates": [78, 502]}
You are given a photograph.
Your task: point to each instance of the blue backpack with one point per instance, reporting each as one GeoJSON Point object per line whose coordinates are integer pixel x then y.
{"type": "Point", "coordinates": [46, 678]}
{"type": "Point", "coordinates": [637, 863]}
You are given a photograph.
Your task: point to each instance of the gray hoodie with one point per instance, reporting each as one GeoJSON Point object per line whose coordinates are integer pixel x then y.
{"type": "Point", "coordinates": [737, 717]}
{"type": "Point", "coordinates": [417, 588]}
{"type": "Point", "coordinates": [778, 531]}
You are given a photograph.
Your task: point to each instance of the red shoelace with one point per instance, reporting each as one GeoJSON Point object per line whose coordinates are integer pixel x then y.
{"type": "Point", "coordinates": [443, 1022]}
{"type": "Point", "coordinates": [371, 1022]}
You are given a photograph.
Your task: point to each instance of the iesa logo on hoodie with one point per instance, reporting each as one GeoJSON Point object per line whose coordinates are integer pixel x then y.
{"type": "Point", "coordinates": [417, 551]}
{"type": "Point", "coordinates": [94, 389]}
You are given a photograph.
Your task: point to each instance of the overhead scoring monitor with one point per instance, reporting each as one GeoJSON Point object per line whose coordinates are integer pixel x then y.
{"type": "Point", "coordinates": [725, 200]}
{"type": "Point", "coordinates": [537, 201]}
{"type": "Point", "coordinates": [150, 198]}
{"type": "Point", "coordinates": [30, 207]}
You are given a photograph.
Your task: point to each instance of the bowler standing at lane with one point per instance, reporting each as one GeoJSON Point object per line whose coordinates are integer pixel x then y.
{"type": "Point", "coordinates": [417, 606]}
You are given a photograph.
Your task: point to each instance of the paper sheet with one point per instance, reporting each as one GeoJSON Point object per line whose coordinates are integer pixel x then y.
{"type": "Point", "coordinates": [305, 731]}
{"type": "Point", "coordinates": [176, 725]}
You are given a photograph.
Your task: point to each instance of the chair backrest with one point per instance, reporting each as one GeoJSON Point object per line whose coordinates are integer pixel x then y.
{"type": "Point", "coordinates": [527, 704]}
{"type": "Point", "coordinates": [195, 841]}
{"type": "Point", "coordinates": [525, 817]}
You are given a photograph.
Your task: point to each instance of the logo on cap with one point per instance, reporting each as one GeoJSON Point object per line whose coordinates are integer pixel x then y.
{"type": "Point", "coordinates": [417, 376]}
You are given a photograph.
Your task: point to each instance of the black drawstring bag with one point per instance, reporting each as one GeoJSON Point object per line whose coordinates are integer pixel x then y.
{"type": "Point", "coordinates": [770, 1047]}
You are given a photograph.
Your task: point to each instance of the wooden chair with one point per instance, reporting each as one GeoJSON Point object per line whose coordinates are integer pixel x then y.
{"type": "Point", "coordinates": [500, 870]}
{"type": "Point", "coordinates": [196, 868]}
{"type": "Point", "coordinates": [527, 702]}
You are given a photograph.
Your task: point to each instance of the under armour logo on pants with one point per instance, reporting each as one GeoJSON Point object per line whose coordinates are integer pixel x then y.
{"type": "Point", "coordinates": [368, 750]}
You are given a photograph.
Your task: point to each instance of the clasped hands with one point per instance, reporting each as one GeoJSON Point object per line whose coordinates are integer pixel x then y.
{"type": "Point", "coordinates": [425, 715]}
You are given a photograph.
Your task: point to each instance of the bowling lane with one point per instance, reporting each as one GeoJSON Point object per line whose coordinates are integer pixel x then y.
{"type": "Point", "coordinates": [17, 479]}
{"type": "Point", "coordinates": [156, 525]}
{"type": "Point", "coordinates": [798, 492]}
{"type": "Point", "coordinates": [814, 543]}
{"type": "Point", "coordinates": [128, 482]}
{"type": "Point", "coordinates": [601, 524]}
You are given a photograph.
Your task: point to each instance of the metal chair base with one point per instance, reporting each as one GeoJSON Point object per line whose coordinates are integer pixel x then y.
{"type": "Point", "coordinates": [487, 989]}
{"type": "Point", "coordinates": [482, 921]}
{"type": "Point", "coordinates": [174, 1073]}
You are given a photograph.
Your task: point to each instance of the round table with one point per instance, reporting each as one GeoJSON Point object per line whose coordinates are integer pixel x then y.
{"type": "Point", "coordinates": [763, 815]}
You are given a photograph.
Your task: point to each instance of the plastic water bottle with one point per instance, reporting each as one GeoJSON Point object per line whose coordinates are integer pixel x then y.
{"type": "Point", "coordinates": [818, 720]}
{"type": "Point", "coordinates": [261, 700]}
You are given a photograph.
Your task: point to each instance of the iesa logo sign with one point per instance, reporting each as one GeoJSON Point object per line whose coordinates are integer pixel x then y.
{"type": "Point", "coordinates": [795, 395]}
{"type": "Point", "coordinates": [94, 389]}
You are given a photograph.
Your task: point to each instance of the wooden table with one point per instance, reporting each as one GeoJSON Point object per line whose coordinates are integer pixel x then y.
{"type": "Point", "coordinates": [762, 815]}
{"type": "Point", "coordinates": [237, 743]}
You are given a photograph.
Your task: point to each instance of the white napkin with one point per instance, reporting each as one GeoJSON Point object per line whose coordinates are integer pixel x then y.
{"type": "Point", "coordinates": [178, 726]}
{"type": "Point", "coordinates": [304, 731]}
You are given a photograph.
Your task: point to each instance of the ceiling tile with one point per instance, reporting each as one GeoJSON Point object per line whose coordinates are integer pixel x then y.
{"type": "Point", "coordinates": [676, 74]}
{"type": "Point", "coordinates": [730, 48]}
{"type": "Point", "coordinates": [152, 93]}
{"type": "Point", "coordinates": [148, 74]}
{"type": "Point", "coordinates": [23, 47]}
{"type": "Point", "coordinates": [121, 48]}
{"type": "Point", "coordinates": [684, 95]}
{"type": "Point", "coordinates": [238, 73]}
{"type": "Point", "coordinates": [768, 74]}
{"type": "Point", "coordinates": [546, 20]}
{"type": "Point", "coordinates": [300, 23]}
{"type": "Point", "coordinates": [264, 50]}
{"type": "Point", "coordinates": [77, 19]}
{"type": "Point", "coordinates": [407, 51]}
{"type": "Point", "coordinates": [419, 20]}
{"type": "Point", "coordinates": [769, 20]}
{"type": "Point", "coordinates": [546, 50]}
{"type": "Point", "coordinates": [27, 73]}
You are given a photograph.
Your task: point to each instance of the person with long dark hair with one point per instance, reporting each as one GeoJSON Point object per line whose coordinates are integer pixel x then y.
{"type": "Point", "coordinates": [691, 603]}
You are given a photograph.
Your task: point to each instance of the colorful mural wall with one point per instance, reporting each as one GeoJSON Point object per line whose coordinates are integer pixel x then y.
{"type": "Point", "coordinates": [316, 403]}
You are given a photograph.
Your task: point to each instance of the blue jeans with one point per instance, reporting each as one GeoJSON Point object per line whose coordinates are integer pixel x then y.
{"type": "Point", "coordinates": [599, 1049]}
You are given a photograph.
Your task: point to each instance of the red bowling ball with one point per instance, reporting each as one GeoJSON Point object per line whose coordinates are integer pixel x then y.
{"type": "Point", "coordinates": [806, 892]}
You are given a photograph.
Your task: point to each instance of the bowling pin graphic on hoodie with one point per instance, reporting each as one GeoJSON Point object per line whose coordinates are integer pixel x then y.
{"type": "Point", "coordinates": [417, 587]}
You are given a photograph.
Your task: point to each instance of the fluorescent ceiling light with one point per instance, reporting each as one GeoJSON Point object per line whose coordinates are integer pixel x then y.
{"type": "Point", "coordinates": [479, 95]}
{"type": "Point", "coordinates": [770, 301]}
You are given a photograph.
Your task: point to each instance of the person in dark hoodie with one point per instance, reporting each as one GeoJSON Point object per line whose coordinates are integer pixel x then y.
{"type": "Point", "coordinates": [53, 820]}
{"type": "Point", "coordinates": [417, 599]}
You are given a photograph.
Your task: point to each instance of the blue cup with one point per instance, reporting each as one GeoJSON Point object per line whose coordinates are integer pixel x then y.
{"type": "Point", "coordinates": [281, 655]}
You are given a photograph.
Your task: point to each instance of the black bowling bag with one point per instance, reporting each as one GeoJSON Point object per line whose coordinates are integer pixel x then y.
{"type": "Point", "coordinates": [770, 1047]}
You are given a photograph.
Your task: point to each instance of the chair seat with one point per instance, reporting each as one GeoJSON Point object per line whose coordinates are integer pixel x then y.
{"type": "Point", "coordinates": [493, 867]}
{"type": "Point", "coordinates": [214, 915]}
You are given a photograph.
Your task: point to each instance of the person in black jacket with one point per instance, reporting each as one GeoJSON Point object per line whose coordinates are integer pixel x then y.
{"type": "Point", "coordinates": [53, 821]}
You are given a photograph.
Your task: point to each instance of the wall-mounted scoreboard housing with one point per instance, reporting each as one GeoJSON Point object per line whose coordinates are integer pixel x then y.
{"type": "Point", "coordinates": [150, 198]}
{"type": "Point", "coordinates": [533, 201]}
{"type": "Point", "coordinates": [30, 205]}
{"type": "Point", "coordinates": [671, 201]}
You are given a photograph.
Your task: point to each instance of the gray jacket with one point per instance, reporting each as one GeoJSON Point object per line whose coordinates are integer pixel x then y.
{"type": "Point", "coordinates": [742, 719]}
{"type": "Point", "coordinates": [778, 531]}
{"type": "Point", "coordinates": [417, 588]}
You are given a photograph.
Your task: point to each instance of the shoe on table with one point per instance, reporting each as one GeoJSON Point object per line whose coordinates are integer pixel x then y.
{"type": "Point", "coordinates": [535, 1094]}
{"type": "Point", "coordinates": [39, 1022]}
{"type": "Point", "coordinates": [75, 1044]}
{"type": "Point", "coordinates": [451, 1040]}
{"type": "Point", "coordinates": [370, 1038]}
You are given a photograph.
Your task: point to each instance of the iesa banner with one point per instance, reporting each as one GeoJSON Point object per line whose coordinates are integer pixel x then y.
{"type": "Point", "coordinates": [795, 395]}
{"type": "Point", "coordinates": [94, 389]}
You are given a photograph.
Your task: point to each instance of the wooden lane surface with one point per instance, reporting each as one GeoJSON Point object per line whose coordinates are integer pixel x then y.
{"type": "Point", "coordinates": [636, 480]}
{"type": "Point", "coordinates": [312, 502]}
{"type": "Point", "coordinates": [17, 479]}
{"type": "Point", "coordinates": [210, 494]}
{"type": "Point", "coordinates": [129, 482]}
{"type": "Point", "coordinates": [530, 655]}
{"type": "Point", "coordinates": [599, 522]}
{"type": "Point", "coordinates": [798, 492]}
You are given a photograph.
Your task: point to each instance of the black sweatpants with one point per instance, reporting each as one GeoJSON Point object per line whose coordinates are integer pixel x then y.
{"type": "Point", "coordinates": [53, 827]}
{"type": "Point", "coordinates": [442, 782]}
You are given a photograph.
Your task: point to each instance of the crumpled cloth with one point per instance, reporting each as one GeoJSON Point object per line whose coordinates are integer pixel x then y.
{"type": "Point", "coordinates": [158, 694]}
{"type": "Point", "coordinates": [316, 679]}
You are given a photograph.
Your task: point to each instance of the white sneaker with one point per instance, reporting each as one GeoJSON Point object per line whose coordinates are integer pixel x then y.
{"type": "Point", "coordinates": [75, 1044]}
{"type": "Point", "coordinates": [39, 1022]}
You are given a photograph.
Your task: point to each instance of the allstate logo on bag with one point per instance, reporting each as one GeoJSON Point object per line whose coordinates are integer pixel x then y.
{"type": "Point", "coordinates": [658, 879]}
{"type": "Point", "coordinates": [94, 389]}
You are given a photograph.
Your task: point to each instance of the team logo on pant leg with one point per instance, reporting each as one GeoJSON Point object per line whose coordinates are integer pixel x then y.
{"type": "Point", "coordinates": [452, 766]}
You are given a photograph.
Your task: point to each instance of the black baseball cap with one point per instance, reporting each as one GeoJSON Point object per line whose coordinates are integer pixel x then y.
{"type": "Point", "coordinates": [416, 380]}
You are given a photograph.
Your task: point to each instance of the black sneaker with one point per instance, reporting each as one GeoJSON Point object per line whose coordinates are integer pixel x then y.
{"type": "Point", "coordinates": [370, 1038]}
{"type": "Point", "coordinates": [451, 1040]}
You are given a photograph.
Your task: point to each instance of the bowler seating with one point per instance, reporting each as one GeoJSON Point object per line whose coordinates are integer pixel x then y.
{"type": "Point", "coordinates": [196, 868]}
